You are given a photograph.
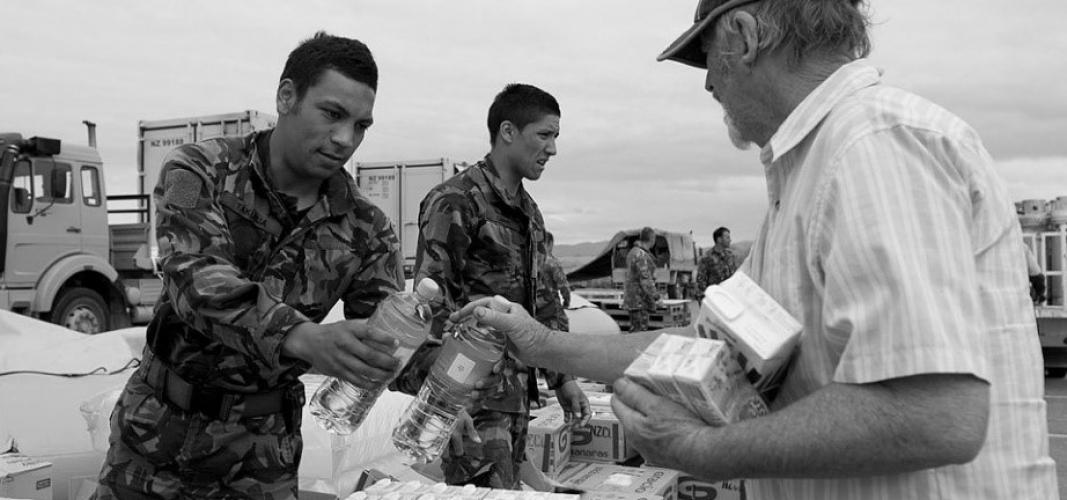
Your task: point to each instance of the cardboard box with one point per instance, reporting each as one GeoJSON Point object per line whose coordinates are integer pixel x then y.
{"type": "Point", "coordinates": [548, 443]}
{"type": "Point", "coordinates": [24, 477]}
{"type": "Point", "coordinates": [618, 479]}
{"type": "Point", "coordinates": [610, 495]}
{"type": "Point", "coordinates": [691, 488]}
{"type": "Point", "coordinates": [714, 386]}
{"type": "Point", "coordinates": [603, 440]}
{"type": "Point", "coordinates": [761, 332]}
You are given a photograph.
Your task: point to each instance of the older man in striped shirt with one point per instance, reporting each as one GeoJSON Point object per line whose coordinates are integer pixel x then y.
{"type": "Point", "coordinates": [892, 239]}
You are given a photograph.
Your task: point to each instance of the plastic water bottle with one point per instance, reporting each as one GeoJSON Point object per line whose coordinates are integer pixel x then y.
{"type": "Point", "coordinates": [468, 355]}
{"type": "Point", "coordinates": [339, 406]}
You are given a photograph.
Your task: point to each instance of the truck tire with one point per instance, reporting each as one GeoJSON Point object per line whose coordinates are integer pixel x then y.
{"type": "Point", "coordinates": [82, 310]}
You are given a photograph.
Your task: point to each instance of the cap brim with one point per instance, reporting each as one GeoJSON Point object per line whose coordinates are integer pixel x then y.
{"type": "Point", "coordinates": [686, 49]}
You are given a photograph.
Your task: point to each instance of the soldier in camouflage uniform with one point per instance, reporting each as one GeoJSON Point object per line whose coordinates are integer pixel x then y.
{"type": "Point", "coordinates": [482, 234]}
{"type": "Point", "coordinates": [639, 291]}
{"type": "Point", "coordinates": [259, 237]}
{"type": "Point", "coordinates": [716, 264]}
{"type": "Point", "coordinates": [556, 286]}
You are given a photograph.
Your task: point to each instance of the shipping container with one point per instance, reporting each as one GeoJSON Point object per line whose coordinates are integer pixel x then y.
{"type": "Point", "coordinates": [158, 137]}
{"type": "Point", "coordinates": [398, 188]}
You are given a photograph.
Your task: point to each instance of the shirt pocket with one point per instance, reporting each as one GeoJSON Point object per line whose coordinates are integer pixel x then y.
{"type": "Point", "coordinates": [503, 243]}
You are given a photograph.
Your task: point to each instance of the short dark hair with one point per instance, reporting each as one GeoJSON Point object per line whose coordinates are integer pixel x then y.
{"type": "Point", "coordinates": [348, 56]}
{"type": "Point", "coordinates": [718, 233]}
{"type": "Point", "coordinates": [648, 234]}
{"type": "Point", "coordinates": [520, 104]}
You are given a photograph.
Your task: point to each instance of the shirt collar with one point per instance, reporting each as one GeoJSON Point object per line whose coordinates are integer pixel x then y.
{"type": "Point", "coordinates": [847, 80]}
{"type": "Point", "coordinates": [336, 196]}
{"type": "Point", "coordinates": [520, 200]}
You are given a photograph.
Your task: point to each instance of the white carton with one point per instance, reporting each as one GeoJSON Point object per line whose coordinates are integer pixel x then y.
{"type": "Point", "coordinates": [661, 372]}
{"type": "Point", "coordinates": [25, 477]}
{"type": "Point", "coordinates": [639, 367]}
{"type": "Point", "coordinates": [619, 479]}
{"type": "Point", "coordinates": [759, 330]}
{"type": "Point", "coordinates": [714, 386]}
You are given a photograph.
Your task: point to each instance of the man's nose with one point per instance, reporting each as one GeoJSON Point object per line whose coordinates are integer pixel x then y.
{"type": "Point", "coordinates": [551, 147]}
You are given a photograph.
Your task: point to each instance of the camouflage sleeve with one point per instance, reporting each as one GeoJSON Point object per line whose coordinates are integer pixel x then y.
{"type": "Point", "coordinates": [196, 250]}
{"type": "Point", "coordinates": [382, 273]}
{"type": "Point", "coordinates": [441, 254]}
{"type": "Point", "coordinates": [645, 269]}
{"type": "Point", "coordinates": [703, 278]}
{"type": "Point", "coordinates": [444, 220]}
{"type": "Point", "coordinates": [561, 283]}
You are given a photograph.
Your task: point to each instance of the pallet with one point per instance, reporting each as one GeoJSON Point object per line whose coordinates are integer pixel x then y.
{"type": "Point", "coordinates": [671, 313]}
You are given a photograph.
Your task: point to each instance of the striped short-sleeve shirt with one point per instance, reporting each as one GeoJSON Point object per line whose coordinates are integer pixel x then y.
{"type": "Point", "coordinates": [894, 241]}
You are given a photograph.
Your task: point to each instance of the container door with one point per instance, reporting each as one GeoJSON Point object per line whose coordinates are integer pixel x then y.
{"type": "Point", "coordinates": [416, 183]}
{"type": "Point", "coordinates": [1052, 257]}
{"type": "Point", "coordinates": [45, 222]}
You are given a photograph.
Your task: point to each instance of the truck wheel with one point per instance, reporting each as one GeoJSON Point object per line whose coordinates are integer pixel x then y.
{"type": "Point", "coordinates": [81, 310]}
{"type": "Point", "coordinates": [1055, 372]}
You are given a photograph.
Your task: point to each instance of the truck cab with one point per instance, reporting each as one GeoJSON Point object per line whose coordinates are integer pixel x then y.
{"type": "Point", "coordinates": [55, 261]}
{"type": "Point", "coordinates": [1044, 225]}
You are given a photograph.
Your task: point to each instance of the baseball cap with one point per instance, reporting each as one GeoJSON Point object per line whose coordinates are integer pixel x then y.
{"type": "Point", "coordinates": [686, 49]}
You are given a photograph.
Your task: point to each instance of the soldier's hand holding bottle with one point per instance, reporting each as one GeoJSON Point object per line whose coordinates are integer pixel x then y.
{"type": "Point", "coordinates": [345, 349]}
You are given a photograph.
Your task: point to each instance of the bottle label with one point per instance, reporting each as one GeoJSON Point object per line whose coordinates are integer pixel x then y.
{"type": "Point", "coordinates": [461, 368]}
{"type": "Point", "coordinates": [404, 354]}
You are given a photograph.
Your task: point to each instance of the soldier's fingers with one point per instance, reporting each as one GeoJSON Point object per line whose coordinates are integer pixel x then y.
{"type": "Point", "coordinates": [362, 373]}
{"type": "Point", "coordinates": [368, 353]}
{"type": "Point", "coordinates": [468, 424]}
{"type": "Point", "coordinates": [373, 335]}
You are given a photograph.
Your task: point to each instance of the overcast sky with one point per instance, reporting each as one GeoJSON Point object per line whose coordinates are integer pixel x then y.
{"type": "Point", "coordinates": [641, 142]}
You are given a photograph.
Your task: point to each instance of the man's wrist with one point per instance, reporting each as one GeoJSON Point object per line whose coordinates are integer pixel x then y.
{"type": "Point", "coordinates": [295, 344]}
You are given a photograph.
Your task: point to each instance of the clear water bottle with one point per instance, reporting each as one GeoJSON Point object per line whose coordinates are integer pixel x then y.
{"type": "Point", "coordinates": [339, 406]}
{"type": "Point", "coordinates": [468, 355]}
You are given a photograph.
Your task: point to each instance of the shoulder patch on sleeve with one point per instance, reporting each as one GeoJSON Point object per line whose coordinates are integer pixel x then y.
{"type": "Point", "coordinates": [182, 188]}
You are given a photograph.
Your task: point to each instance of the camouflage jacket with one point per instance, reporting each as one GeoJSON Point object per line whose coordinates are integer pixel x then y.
{"type": "Point", "coordinates": [556, 286]}
{"type": "Point", "coordinates": [639, 291]}
{"type": "Point", "coordinates": [239, 271]}
{"type": "Point", "coordinates": [476, 240]}
{"type": "Point", "coordinates": [715, 266]}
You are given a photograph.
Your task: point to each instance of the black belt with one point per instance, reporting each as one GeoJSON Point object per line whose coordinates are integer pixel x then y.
{"type": "Point", "coordinates": [216, 404]}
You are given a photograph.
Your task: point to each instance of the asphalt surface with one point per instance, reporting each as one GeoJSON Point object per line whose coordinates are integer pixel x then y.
{"type": "Point", "coordinates": [1056, 398]}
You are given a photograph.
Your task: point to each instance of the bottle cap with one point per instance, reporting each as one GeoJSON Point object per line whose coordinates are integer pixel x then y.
{"type": "Point", "coordinates": [427, 289]}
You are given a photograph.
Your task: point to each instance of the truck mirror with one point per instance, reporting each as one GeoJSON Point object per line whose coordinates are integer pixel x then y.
{"type": "Point", "coordinates": [59, 184]}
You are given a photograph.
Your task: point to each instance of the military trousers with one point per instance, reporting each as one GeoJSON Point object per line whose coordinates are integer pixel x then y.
{"type": "Point", "coordinates": [493, 463]}
{"type": "Point", "coordinates": [160, 451]}
{"type": "Point", "coordinates": [638, 320]}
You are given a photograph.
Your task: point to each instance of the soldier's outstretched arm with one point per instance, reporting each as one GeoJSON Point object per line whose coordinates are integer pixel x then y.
{"type": "Point", "coordinates": [348, 350]}
{"type": "Point", "coordinates": [209, 292]}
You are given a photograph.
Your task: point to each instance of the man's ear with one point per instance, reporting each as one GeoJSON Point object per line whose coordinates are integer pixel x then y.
{"type": "Point", "coordinates": [507, 131]}
{"type": "Point", "coordinates": [748, 32]}
{"type": "Point", "coordinates": [286, 99]}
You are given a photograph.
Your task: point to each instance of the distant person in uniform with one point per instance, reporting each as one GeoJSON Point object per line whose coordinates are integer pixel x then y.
{"type": "Point", "coordinates": [481, 233]}
{"type": "Point", "coordinates": [1037, 277]}
{"type": "Point", "coordinates": [716, 264]}
{"type": "Point", "coordinates": [640, 296]}
{"type": "Point", "coordinates": [258, 237]}
{"type": "Point", "coordinates": [556, 283]}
